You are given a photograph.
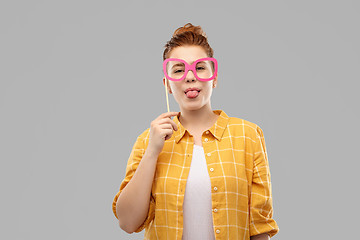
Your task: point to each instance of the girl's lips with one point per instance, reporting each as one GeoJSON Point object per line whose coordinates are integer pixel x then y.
{"type": "Point", "coordinates": [192, 93]}
{"type": "Point", "coordinates": [192, 89]}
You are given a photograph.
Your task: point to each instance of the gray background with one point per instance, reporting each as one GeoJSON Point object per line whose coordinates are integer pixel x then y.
{"type": "Point", "coordinates": [73, 100]}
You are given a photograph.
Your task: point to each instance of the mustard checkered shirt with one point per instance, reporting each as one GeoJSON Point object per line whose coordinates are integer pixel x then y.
{"type": "Point", "coordinates": [238, 167]}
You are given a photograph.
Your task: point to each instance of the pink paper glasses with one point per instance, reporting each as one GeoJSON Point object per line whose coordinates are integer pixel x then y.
{"type": "Point", "coordinates": [204, 69]}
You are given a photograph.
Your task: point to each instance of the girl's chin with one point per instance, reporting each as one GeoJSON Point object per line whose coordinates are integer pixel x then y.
{"type": "Point", "coordinates": [191, 106]}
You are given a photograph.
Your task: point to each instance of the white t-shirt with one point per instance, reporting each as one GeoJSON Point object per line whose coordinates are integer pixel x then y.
{"type": "Point", "coordinates": [197, 207]}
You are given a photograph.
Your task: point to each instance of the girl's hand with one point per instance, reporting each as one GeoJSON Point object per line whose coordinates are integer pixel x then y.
{"type": "Point", "coordinates": [161, 129]}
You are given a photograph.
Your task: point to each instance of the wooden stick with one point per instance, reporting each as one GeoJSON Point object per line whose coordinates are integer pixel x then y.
{"type": "Point", "coordinates": [167, 98]}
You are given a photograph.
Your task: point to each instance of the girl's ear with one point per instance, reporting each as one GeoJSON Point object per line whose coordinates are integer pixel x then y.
{"type": "Point", "coordinates": [215, 82]}
{"type": "Point", "coordinates": [168, 85]}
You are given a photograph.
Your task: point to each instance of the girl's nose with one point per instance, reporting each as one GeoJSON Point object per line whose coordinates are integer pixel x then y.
{"type": "Point", "coordinates": [190, 76]}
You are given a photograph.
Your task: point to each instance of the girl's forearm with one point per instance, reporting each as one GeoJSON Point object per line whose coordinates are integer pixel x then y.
{"type": "Point", "coordinates": [133, 202]}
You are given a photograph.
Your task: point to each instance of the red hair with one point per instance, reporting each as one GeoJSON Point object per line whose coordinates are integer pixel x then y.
{"type": "Point", "coordinates": [188, 35]}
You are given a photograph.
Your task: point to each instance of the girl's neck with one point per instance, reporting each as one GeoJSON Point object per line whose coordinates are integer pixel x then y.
{"type": "Point", "coordinates": [200, 118]}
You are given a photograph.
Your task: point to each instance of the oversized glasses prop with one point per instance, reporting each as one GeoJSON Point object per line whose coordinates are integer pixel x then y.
{"type": "Point", "coordinates": [204, 69]}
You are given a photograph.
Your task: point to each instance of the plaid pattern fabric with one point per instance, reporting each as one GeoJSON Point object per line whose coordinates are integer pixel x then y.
{"type": "Point", "coordinates": [238, 167]}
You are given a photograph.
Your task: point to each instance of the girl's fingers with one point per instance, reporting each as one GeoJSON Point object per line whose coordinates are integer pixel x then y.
{"type": "Point", "coordinates": [168, 115]}
{"type": "Point", "coordinates": [167, 121]}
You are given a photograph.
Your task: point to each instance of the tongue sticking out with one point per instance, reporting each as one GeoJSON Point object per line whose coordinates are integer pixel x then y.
{"type": "Point", "coordinates": [192, 94]}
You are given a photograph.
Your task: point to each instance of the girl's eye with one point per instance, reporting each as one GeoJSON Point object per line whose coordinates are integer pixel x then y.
{"type": "Point", "coordinates": [178, 71]}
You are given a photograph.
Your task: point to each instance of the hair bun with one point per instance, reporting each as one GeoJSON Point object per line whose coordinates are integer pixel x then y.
{"type": "Point", "coordinates": [188, 35]}
{"type": "Point", "coordinates": [189, 28]}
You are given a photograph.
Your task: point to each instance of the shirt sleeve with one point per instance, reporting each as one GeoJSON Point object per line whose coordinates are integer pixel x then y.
{"type": "Point", "coordinates": [261, 209]}
{"type": "Point", "coordinates": [135, 157]}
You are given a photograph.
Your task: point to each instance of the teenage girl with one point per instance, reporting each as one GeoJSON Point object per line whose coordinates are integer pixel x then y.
{"type": "Point", "coordinates": [202, 174]}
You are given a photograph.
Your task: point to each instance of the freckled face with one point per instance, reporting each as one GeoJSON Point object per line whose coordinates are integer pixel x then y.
{"type": "Point", "coordinates": [191, 100]}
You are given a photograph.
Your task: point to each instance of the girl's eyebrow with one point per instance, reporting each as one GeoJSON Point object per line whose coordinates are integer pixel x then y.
{"type": "Point", "coordinates": [177, 65]}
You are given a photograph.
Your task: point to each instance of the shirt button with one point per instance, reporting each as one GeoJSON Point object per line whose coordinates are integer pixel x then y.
{"type": "Point", "coordinates": [206, 139]}
{"type": "Point", "coordinates": [211, 169]}
{"type": "Point", "coordinates": [209, 154]}
{"type": "Point", "coordinates": [215, 209]}
{"type": "Point", "coordinates": [217, 231]}
{"type": "Point", "coordinates": [207, 132]}
{"type": "Point", "coordinates": [215, 188]}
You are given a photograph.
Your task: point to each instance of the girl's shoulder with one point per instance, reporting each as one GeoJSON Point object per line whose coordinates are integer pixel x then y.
{"type": "Point", "coordinates": [235, 122]}
{"type": "Point", "coordinates": [241, 127]}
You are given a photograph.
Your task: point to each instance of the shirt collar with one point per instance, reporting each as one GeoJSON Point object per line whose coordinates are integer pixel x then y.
{"type": "Point", "coordinates": [217, 130]}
